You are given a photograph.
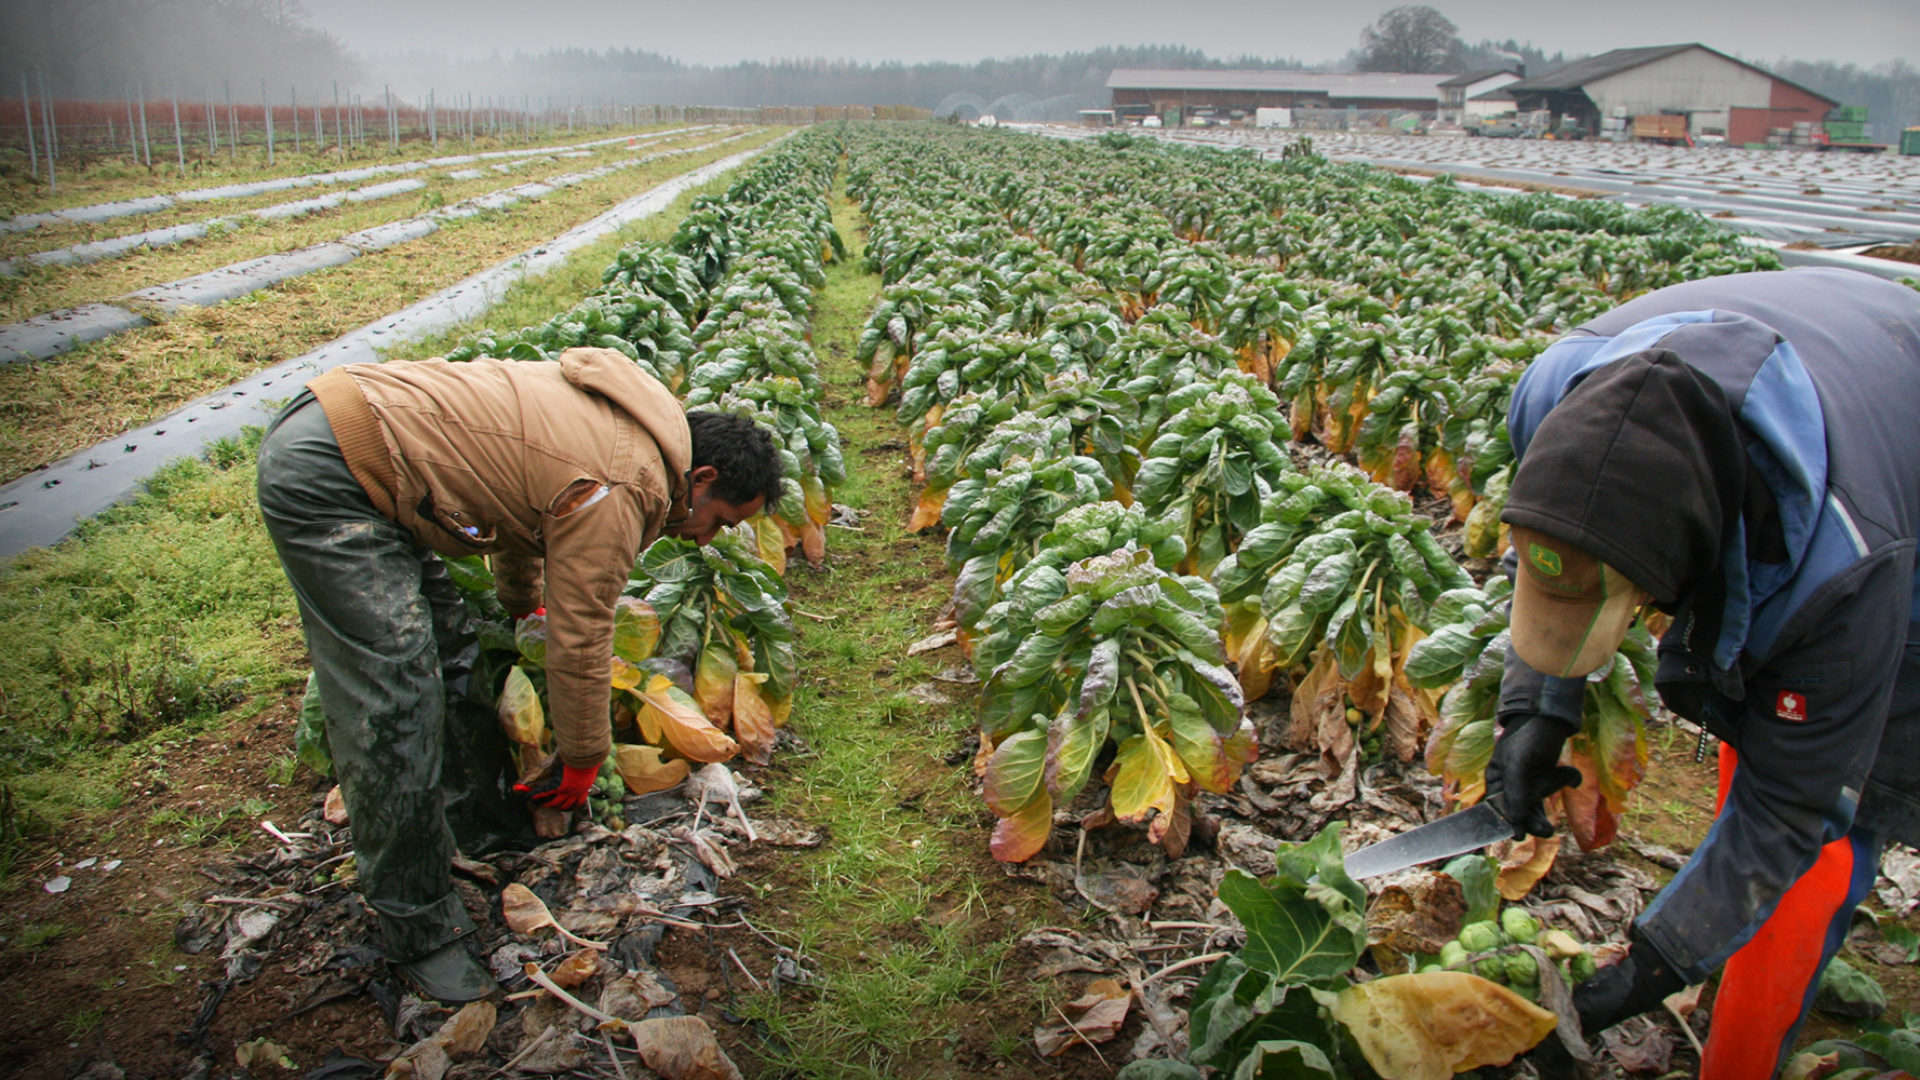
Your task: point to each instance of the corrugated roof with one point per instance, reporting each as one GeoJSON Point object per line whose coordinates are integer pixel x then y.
{"type": "Point", "coordinates": [1594, 68]}
{"type": "Point", "coordinates": [1342, 85]}
{"type": "Point", "coordinates": [1472, 77]}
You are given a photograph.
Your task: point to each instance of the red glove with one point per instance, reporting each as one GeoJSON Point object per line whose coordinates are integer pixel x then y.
{"type": "Point", "coordinates": [569, 793]}
{"type": "Point", "coordinates": [541, 610]}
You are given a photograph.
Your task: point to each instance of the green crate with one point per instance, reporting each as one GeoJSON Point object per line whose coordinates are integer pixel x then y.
{"type": "Point", "coordinates": [1910, 141]}
{"type": "Point", "coordinates": [1857, 113]}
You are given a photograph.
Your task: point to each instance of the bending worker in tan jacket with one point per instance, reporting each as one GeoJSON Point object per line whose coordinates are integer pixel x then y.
{"type": "Point", "coordinates": [562, 472]}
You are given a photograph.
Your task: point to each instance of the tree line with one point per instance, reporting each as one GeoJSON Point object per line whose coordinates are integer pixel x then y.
{"type": "Point", "coordinates": [103, 49]}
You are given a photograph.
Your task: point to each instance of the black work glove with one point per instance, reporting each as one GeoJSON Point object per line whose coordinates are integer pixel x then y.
{"type": "Point", "coordinates": [1526, 768]}
{"type": "Point", "coordinates": [1638, 983]}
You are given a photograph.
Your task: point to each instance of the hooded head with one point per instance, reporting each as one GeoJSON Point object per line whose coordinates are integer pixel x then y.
{"type": "Point", "coordinates": [1628, 488]}
{"type": "Point", "coordinates": [617, 378]}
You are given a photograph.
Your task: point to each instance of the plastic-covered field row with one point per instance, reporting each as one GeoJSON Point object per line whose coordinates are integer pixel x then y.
{"type": "Point", "coordinates": [153, 203]}
{"type": "Point", "coordinates": [42, 507]}
{"type": "Point", "coordinates": [1805, 205]}
{"type": "Point", "coordinates": [98, 250]}
{"type": "Point", "coordinates": [45, 336]}
{"type": "Point", "coordinates": [114, 247]}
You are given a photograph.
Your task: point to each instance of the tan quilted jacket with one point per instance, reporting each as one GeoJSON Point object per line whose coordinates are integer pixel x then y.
{"type": "Point", "coordinates": [566, 467]}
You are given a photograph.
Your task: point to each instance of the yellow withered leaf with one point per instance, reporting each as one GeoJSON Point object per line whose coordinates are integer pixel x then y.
{"type": "Point", "coordinates": [678, 720]}
{"type": "Point", "coordinates": [753, 724]}
{"type": "Point", "coordinates": [713, 681]}
{"type": "Point", "coordinates": [1147, 771]}
{"type": "Point", "coordinates": [624, 676]}
{"type": "Point", "coordinates": [1430, 1026]}
{"type": "Point", "coordinates": [643, 770]}
{"type": "Point", "coordinates": [926, 509]}
{"type": "Point", "coordinates": [520, 714]}
{"type": "Point", "coordinates": [770, 542]}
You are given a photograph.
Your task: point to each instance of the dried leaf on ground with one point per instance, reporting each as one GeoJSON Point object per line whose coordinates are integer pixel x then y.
{"type": "Point", "coordinates": [262, 1052]}
{"type": "Point", "coordinates": [1686, 1002]}
{"type": "Point", "coordinates": [463, 1035]}
{"type": "Point", "coordinates": [335, 810]}
{"type": "Point", "coordinates": [526, 913]}
{"type": "Point", "coordinates": [632, 997]}
{"type": "Point", "coordinates": [1430, 1026]}
{"type": "Point", "coordinates": [422, 1061]}
{"type": "Point", "coordinates": [1525, 864]}
{"type": "Point", "coordinates": [1899, 883]}
{"type": "Point", "coordinates": [932, 642]}
{"type": "Point", "coordinates": [578, 967]}
{"type": "Point", "coordinates": [782, 833]}
{"type": "Point", "coordinates": [549, 823]}
{"type": "Point", "coordinates": [1093, 1017]}
{"type": "Point", "coordinates": [1639, 1046]}
{"type": "Point", "coordinates": [1123, 892]}
{"type": "Point", "coordinates": [682, 1048]}
{"type": "Point", "coordinates": [466, 1032]}
{"type": "Point", "coordinates": [709, 850]}
{"type": "Point", "coordinates": [562, 1052]}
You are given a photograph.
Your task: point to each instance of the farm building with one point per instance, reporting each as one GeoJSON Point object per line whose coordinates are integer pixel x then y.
{"type": "Point", "coordinates": [1233, 93]}
{"type": "Point", "coordinates": [1461, 96]}
{"type": "Point", "coordinates": [1718, 94]}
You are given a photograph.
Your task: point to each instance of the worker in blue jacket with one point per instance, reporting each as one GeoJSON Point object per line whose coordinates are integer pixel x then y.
{"type": "Point", "coordinates": [1744, 453]}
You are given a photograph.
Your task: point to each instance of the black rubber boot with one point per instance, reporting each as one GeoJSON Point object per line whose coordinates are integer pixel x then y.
{"type": "Point", "coordinates": [450, 974]}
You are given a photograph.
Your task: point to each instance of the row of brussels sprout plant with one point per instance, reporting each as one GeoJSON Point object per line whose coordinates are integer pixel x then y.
{"type": "Point", "coordinates": [1172, 407]}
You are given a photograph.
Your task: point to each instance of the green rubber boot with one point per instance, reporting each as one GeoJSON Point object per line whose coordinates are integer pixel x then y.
{"type": "Point", "coordinates": [450, 974]}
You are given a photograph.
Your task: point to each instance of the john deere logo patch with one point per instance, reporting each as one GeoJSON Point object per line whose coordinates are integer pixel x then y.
{"type": "Point", "coordinates": [1544, 559]}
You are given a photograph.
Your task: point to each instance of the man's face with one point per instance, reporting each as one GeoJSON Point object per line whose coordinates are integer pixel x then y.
{"type": "Point", "coordinates": [710, 513]}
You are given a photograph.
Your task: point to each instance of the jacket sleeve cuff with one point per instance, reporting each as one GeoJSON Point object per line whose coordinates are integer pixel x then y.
{"type": "Point", "coordinates": [1526, 692]}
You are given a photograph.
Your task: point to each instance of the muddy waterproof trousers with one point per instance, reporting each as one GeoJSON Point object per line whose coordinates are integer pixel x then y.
{"type": "Point", "coordinates": [391, 650]}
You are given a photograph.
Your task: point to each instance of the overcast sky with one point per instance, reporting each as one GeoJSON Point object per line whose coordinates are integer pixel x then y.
{"type": "Point", "coordinates": [1858, 31]}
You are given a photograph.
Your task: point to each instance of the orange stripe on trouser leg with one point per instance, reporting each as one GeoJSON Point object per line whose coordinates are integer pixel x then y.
{"type": "Point", "coordinates": [1763, 988]}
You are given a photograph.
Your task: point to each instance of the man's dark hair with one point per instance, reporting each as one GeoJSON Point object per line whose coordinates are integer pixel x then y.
{"type": "Point", "coordinates": [741, 451]}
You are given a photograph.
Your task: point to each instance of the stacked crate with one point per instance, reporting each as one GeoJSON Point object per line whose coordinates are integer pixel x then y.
{"type": "Point", "coordinates": [1848, 124]}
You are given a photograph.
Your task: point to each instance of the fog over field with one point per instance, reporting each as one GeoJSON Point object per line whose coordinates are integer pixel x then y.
{"type": "Point", "coordinates": [917, 31]}
{"type": "Point", "coordinates": [1047, 58]}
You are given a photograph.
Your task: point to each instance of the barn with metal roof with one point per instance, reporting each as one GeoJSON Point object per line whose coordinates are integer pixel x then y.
{"type": "Point", "coordinates": [1148, 91]}
{"type": "Point", "coordinates": [1717, 93]}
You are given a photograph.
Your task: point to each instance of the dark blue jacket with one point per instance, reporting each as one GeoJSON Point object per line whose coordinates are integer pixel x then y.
{"type": "Point", "coordinates": [1805, 643]}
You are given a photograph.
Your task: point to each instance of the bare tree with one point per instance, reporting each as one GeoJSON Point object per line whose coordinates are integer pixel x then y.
{"type": "Point", "coordinates": [1411, 38]}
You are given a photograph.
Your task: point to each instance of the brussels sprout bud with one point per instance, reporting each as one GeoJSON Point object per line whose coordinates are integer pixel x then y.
{"type": "Point", "coordinates": [1519, 925]}
{"type": "Point", "coordinates": [1580, 968]}
{"type": "Point", "coordinates": [1521, 970]}
{"type": "Point", "coordinates": [1481, 937]}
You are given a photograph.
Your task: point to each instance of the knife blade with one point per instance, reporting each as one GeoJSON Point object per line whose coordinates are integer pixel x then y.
{"type": "Point", "coordinates": [1455, 834]}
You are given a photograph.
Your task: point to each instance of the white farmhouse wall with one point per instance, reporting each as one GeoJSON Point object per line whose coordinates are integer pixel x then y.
{"type": "Point", "coordinates": [1479, 109]}
{"type": "Point", "coordinates": [1482, 109]}
{"type": "Point", "coordinates": [1695, 80]}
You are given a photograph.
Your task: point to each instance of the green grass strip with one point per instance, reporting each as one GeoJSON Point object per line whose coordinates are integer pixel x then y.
{"type": "Point", "coordinates": [901, 913]}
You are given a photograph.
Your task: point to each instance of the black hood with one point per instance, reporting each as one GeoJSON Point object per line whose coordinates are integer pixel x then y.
{"type": "Point", "coordinates": [1642, 465]}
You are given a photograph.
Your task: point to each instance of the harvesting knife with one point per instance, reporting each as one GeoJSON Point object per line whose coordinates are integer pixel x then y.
{"type": "Point", "coordinates": [1455, 834]}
